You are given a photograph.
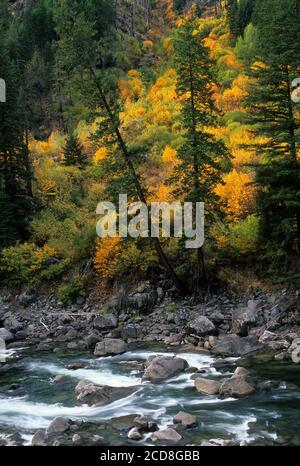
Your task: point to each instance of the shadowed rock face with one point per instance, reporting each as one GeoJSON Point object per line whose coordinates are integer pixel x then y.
{"type": "Point", "coordinates": [163, 367]}
{"type": "Point", "coordinates": [233, 345]}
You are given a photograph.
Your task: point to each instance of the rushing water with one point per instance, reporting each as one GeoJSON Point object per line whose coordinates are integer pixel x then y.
{"type": "Point", "coordinates": [267, 418]}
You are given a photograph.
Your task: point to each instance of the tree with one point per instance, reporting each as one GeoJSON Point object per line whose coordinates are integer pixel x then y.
{"type": "Point", "coordinates": [232, 18]}
{"type": "Point", "coordinates": [74, 152]}
{"type": "Point", "coordinates": [79, 52]}
{"type": "Point", "coordinates": [15, 173]}
{"type": "Point", "coordinates": [276, 118]}
{"type": "Point", "coordinates": [245, 12]}
{"type": "Point", "coordinates": [198, 172]}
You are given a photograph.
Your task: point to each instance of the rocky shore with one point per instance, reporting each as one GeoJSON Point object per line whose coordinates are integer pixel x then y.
{"type": "Point", "coordinates": [224, 326]}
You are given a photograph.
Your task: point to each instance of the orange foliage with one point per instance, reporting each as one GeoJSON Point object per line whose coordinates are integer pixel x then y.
{"type": "Point", "coordinates": [105, 260]}
{"type": "Point", "coordinates": [238, 193]}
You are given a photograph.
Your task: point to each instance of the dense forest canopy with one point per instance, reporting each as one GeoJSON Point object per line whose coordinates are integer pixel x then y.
{"type": "Point", "coordinates": [163, 100]}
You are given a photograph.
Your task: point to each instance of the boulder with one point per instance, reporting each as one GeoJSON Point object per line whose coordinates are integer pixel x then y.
{"type": "Point", "coordinates": [168, 435]}
{"type": "Point", "coordinates": [58, 425]}
{"type": "Point", "coordinates": [12, 324]}
{"type": "Point", "coordinates": [244, 318]}
{"type": "Point", "coordinates": [134, 434]}
{"type": "Point", "coordinates": [207, 386]}
{"type": "Point", "coordinates": [239, 385]}
{"type": "Point", "coordinates": [92, 339]}
{"type": "Point", "coordinates": [110, 346]}
{"type": "Point", "coordinates": [6, 335]}
{"type": "Point", "coordinates": [92, 394]}
{"type": "Point", "coordinates": [105, 322]}
{"type": "Point", "coordinates": [267, 336]}
{"type": "Point", "coordinates": [233, 345]}
{"type": "Point", "coordinates": [185, 419]}
{"type": "Point", "coordinates": [132, 331]}
{"type": "Point", "coordinates": [202, 326]}
{"type": "Point", "coordinates": [163, 367]}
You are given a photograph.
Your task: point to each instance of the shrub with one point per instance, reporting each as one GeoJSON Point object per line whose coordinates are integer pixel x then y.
{"type": "Point", "coordinates": [69, 292]}
{"type": "Point", "coordinates": [23, 263]}
{"type": "Point", "coordinates": [170, 308]}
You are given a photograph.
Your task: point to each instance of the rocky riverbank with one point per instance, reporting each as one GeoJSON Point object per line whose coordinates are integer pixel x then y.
{"type": "Point", "coordinates": [225, 325]}
{"type": "Point", "coordinates": [225, 330]}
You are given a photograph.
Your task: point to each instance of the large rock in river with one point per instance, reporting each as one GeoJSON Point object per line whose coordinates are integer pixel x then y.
{"type": "Point", "coordinates": [239, 385]}
{"type": "Point", "coordinates": [110, 346]}
{"type": "Point", "coordinates": [233, 345]}
{"type": "Point", "coordinates": [207, 386]}
{"type": "Point", "coordinates": [163, 367]}
{"type": "Point", "coordinates": [96, 395]}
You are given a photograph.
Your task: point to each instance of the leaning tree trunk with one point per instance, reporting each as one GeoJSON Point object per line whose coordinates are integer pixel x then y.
{"type": "Point", "coordinates": [180, 286]}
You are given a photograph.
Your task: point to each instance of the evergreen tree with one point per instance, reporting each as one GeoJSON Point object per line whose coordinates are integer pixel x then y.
{"type": "Point", "coordinates": [232, 18]}
{"type": "Point", "coordinates": [74, 152]}
{"type": "Point", "coordinates": [245, 12]}
{"type": "Point", "coordinates": [15, 173]}
{"type": "Point", "coordinates": [78, 54]}
{"type": "Point", "coordinates": [199, 170]}
{"type": "Point", "coordinates": [276, 117]}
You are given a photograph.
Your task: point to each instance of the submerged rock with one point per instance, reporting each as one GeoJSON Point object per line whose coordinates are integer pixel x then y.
{"type": "Point", "coordinates": [163, 367]}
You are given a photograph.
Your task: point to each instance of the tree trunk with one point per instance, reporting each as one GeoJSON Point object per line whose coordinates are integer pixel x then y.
{"type": "Point", "coordinates": [180, 286]}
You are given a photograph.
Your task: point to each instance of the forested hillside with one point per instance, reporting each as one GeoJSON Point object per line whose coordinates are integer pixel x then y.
{"type": "Point", "coordinates": [164, 101]}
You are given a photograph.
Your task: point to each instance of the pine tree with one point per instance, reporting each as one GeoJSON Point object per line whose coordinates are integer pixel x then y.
{"type": "Point", "coordinates": [245, 12]}
{"type": "Point", "coordinates": [232, 18]}
{"type": "Point", "coordinates": [199, 170]}
{"type": "Point", "coordinates": [15, 174]}
{"type": "Point", "coordinates": [276, 118]}
{"type": "Point", "coordinates": [78, 53]}
{"type": "Point", "coordinates": [74, 152]}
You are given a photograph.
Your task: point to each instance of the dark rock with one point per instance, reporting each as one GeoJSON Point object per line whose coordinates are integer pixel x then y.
{"type": "Point", "coordinates": [106, 322]}
{"type": "Point", "coordinates": [233, 345]}
{"type": "Point", "coordinates": [132, 331]}
{"type": "Point", "coordinates": [244, 318]}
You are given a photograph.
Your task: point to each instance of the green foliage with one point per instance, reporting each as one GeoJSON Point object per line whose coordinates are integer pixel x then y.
{"type": "Point", "coordinates": [240, 239]}
{"type": "Point", "coordinates": [276, 118]}
{"type": "Point", "coordinates": [74, 152]}
{"type": "Point", "coordinates": [170, 308]}
{"type": "Point", "coordinates": [24, 263]}
{"type": "Point", "coordinates": [68, 293]}
{"type": "Point", "coordinates": [15, 171]}
{"type": "Point", "coordinates": [245, 48]}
